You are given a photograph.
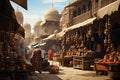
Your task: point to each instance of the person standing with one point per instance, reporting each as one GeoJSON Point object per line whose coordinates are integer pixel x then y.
{"type": "Point", "coordinates": [43, 53]}
{"type": "Point", "coordinates": [37, 60]}
{"type": "Point", "coordinates": [62, 54]}
{"type": "Point", "coordinates": [49, 54]}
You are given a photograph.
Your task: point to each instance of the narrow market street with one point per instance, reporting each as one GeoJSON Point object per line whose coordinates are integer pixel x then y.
{"type": "Point", "coordinates": [69, 73]}
{"type": "Point", "coordinates": [59, 39]}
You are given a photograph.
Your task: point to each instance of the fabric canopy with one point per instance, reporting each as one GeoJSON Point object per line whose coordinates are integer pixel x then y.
{"type": "Point", "coordinates": [49, 37]}
{"type": "Point", "coordinates": [22, 3]}
{"type": "Point", "coordinates": [60, 34]}
{"type": "Point", "coordinates": [81, 24]}
{"type": "Point", "coordinates": [86, 22]}
{"type": "Point", "coordinates": [109, 9]}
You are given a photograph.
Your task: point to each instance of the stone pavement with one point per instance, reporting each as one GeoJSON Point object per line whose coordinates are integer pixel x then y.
{"type": "Point", "coordinates": [69, 73]}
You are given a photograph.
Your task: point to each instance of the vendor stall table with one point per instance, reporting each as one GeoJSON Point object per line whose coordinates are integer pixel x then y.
{"type": "Point", "coordinates": [67, 60]}
{"type": "Point", "coordinates": [111, 69]}
{"type": "Point", "coordinates": [100, 67]}
{"type": "Point", "coordinates": [83, 62]}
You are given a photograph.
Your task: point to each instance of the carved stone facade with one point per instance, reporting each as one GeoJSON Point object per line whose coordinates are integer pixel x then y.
{"type": "Point", "coordinates": [79, 10]}
{"type": "Point", "coordinates": [38, 30]}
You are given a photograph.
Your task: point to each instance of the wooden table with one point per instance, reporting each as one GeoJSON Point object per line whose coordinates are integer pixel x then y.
{"type": "Point", "coordinates": [67, 60]}
{"type": "Point", "coordinates": [83, 62]}
{"type": "Point", "coordinates": [101, 67]}
{"type": "Point", "coordinates": [107, 69]}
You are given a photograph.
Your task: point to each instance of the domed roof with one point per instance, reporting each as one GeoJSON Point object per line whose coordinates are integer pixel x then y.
{"type": "Point", "coordinates": [52, 15]}
{"type": "Point", "coordinates": [37, 23]}
{"type": "Point", "coordinates": [27, 26]}
{"type": "Point", "coordinates": [19, 16]}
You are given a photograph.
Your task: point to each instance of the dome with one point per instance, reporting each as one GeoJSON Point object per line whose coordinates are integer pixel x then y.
{"type": "Point", "coordinates": [27, 26]}
{"type": "Point", "coordinates": [37, 24]}
{"type": "Point", "coordinates": [19, 16]}
{"type": "Point", "coordinates": [52, 15]}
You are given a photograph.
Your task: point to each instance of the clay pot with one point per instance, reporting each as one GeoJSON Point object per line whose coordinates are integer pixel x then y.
{"type": "Point", "coordinates": [54, 69]}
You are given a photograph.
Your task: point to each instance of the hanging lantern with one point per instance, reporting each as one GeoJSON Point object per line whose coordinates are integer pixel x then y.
{"type": "Point", "coordinates": [109, 40]}
{"type": "Point", "coordinates": [105, 41]}
{"type": "Point", "coordinates": [80, 37]}
{"type": "Point", "coordinates": [109, 25]}
{"type": "Point", "coordinates": [87, 35]}
{"type": "Point", "coordinates": [89, 32]}
{"type": "Point", "coordinates": [106, 25]}
{"type": "Point", "coordinates": [82, 44]}
{"type": "Point", "coordinates": [106, 32]}
{"type": "Point", "coordinates": [76, 35]}
{"type": "Point", "coordinates": [68, 39]}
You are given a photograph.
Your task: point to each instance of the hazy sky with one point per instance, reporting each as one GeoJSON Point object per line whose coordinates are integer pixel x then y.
{"type": "Point", "coordinates": [37, 9]}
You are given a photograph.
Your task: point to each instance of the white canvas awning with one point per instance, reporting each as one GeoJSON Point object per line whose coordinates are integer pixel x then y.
{"type": "Point", "coordinates": [49, 37]}
{"type": "Point", "coordinates": [42, 44]}
{"type": "Point", "coordinates": [88, 21]}
{"type": "Point", "coordinates": [109, 9]}
{"type": "Point", "coordinates": [33, 44]}
{"type": "Point", "coordinates": [60, 34]}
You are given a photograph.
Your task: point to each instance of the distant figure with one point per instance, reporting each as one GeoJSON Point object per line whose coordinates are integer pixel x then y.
{"type": "Point", "coordinates": [62, 54]}
{"type": "Point", "coordinates": [49, 54]}
{"type": "Point", "coordinates": [37, 60]}
{"type": "Point", "coordinates": [43, 54]}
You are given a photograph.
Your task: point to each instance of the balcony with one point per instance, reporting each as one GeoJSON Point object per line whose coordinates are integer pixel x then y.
{"type": "Point", "coordinates": [82, 17]}
{"type": "Point", "coordinates": [101, 4]}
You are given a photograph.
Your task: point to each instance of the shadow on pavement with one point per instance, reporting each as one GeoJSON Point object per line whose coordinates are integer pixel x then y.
{"type": "Point", "coordinates": [61, 73]}
{"type": "Point", "coordinates": [87, 74]}
{"type": "Point", "coordinates": [48, 76]}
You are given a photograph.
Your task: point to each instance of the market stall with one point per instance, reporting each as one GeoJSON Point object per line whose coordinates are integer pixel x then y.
{"type": "Point", "coordinates": [110, 63]}
{"type": "Point", "coordinates": [77, 43]}
{"type": "Point", "coordinates": [12, 55]}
